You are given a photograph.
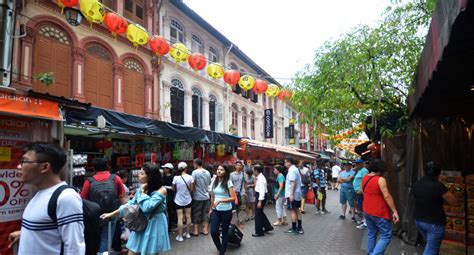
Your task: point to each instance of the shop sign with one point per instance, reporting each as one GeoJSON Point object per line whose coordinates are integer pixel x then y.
{"type": "Point", "coordinates": [268, 118]}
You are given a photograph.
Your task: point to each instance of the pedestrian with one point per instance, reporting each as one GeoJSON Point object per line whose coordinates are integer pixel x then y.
{"type": "Point", "coordinates": [377, 206]}
{"type": "Point", "coordinates": [335, 170]}
{"type": "Point", "coordinates": [106, 190]}
{"type": "Point", "coordinates": [183, 185]}
{"type": "Point", "coordinates": [237, 178]}
{"type": "Point", "coordinates": [41, 166]}
{"type": "Point", "coordinates": [319, 186]}
{"type": "Point", "coordinates": [250, 191]}
{"type": "Point", "coordinates": [222, 197]}
{"type": "Point", "coordinates": [201, 203]}
{"type": "Point", "coordinates": [429, 214]}
{"type": "Point", "coordinates": [293, 196]}
{"type": "Point", "coordinates": [347, 194]}
{"type": "Point", "coordinates": [119, 227]}
{"type": "Point", "coordinates": [328, 170]}
{"type": "Point", "coordinates": [168, 177]}
{"type": "Point", "coordinates": [279, 193]}
{"type": "Point", "coordinates": [123, 174]}
{"type": "Point", "coordinates": [151, 199]}
{"type": "Point", "coordinates": [262, 224]}
{"type": "Point", "coordinates": [305, 183]}
{"type": "Point", "coordinates": [361, 172]}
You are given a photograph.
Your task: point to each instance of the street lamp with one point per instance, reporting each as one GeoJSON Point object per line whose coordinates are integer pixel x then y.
{"type": "Point", "coordinates": [73, 16]}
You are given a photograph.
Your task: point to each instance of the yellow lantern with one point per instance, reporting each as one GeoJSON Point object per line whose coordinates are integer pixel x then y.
{"type": "Point", "coordinates": [272, 90]}
{"type": "Point", "coordinates": [246, 82]}
{"type": "Point", "coordinates": [92, 10]}
{"type": "Point", "coordinates": [137, 35]}
{"type": "Point", "coordinates": [179, 52]}
{"type": "Point", "coordinates": [215, 70]}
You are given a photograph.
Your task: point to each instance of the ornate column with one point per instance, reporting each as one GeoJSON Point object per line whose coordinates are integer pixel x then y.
{"type": "Point", "coordinates": [188, 108]}
{"type": "Point", "coordinates": [118, 87]}
{"type": "Point", "coordinates": [26, 69]}
{"type": "Point", "coordinates": [205, 114]}
{"type": "Point", "coordinates": [120, 7]}
{"type": "Point", "coordinates": [166, 102]}
{"type": "Point", "coordinates": [149, 16]}
{"type": "Point", "coordinates": [78, 74]}
{"type": "Point", "coordinates": [149, 96]}
{"type": "Point", "coordinates": [156, 88]}
{"type": "Point", "coordinates": [239, 122]}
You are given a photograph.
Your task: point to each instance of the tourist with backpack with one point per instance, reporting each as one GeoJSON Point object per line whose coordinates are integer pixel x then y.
{"type": "Point", "coordinates": [151, 237]}
{"type": "Point", "coordinates": [305, 184]}
{"type": "Point", "coordinates": [106, 190]}
{"type": "Point", "coordinates": [41, 167]}
{"type": "Point", "coordinates": [183, 186]}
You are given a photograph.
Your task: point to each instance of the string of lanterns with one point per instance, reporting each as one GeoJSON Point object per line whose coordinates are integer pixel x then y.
{"type": "Point", "coordinates": [345, 134]}
{"type": "Point", "coordinates": [95, 12]}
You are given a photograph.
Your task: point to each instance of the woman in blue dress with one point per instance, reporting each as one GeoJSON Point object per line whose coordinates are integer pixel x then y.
{"type": "Point", "coordinates": [151, 198]}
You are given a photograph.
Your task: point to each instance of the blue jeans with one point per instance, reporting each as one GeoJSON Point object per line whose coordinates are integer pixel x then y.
{"type": "Point", "coordinates": [376, 225]}
{"type": "Point", "coordinates": [220, 219]}
{"type": "Point", "coordinates": [433, 234]}
{"type": "Point", "coordinates": [104, 235]}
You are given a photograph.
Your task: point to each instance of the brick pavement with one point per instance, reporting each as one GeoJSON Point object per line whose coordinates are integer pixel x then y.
{"type": "Point", "coordinates": [324, 234]}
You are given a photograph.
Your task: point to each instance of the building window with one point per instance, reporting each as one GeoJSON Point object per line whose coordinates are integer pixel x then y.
{"type": "Point", "coordinates": [196, 44]}
{"type": "Point", "coordinates": [197, 107]}
{"type": "Point", "coordinates": [176, 32]}
{"type": "Point", "coordinates": [244, 122]}
{"type": "Point", "coordinates": [177, 102]}
{"type": "Point", "coordinates": [99, 52]}
{"type": "Point", "coordinates": [235, 116]}
{"type": "Point", "coordinates": [264, 101]}
{"type": "Point", "coordinates": [54, 33]}
{"type": "Point", "coordinates": [129, 5]}
{"type": "Point", "coordinates": [133, 65]}
{"type": "Point", "coordinates": [212, 112]}
{"type": "Point", "coordinates": [134, 10]}
{"type": "Point", "coordinates": [213, 55]}
{"type": "Point", "coordinates": [107, 3]}
{"type": "Point", "coordinates": [252, 125]}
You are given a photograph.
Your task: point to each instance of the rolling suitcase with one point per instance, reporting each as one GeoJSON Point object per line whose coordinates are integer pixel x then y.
{"type": "Point", "coordinates": [235, 235]}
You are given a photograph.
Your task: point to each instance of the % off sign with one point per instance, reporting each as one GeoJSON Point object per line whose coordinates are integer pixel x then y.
{"type": "Point", "coordinates": [14, 195]}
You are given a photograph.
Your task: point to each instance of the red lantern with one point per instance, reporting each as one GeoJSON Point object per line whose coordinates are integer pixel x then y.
{"type": "Point", "coordinates": [67, 3]}
{"type": "Point", "coordinates": [285, 95]}
{"type": "Point", "coordinates": [115, 24]}
{"type": "Point", "coordinates": [108, 144]}
{"type": "Point", "coordinates": [197, 61]}
{"type": "Point", "coordinates": [231, 77]}
{"type": "Point", "coordinates": [260, 86]}
{"type": "Point", "coordinates": [159, 45]}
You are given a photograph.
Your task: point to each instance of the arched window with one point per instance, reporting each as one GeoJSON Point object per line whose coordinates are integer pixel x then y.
{"type": "Point", "coordinates": [235, 115]}
{"type": "Point", "coordinates": [177, 101]}
{"type": "Point", "coordinates": [196, 44]}
{"type": "Point", "coordinates": [212, 112]}
{"type": "Point", "coordinates": [99, 76]}
{"type": "Point", "coordinates": [252, 125]}
{"type": "Point", "coordinates": [213, 55]}
{"type": "Point", "coordinates": [244, 122]}
{"type": "Point", "coordinates": [133, 87]}
{"type": "Point", "coordinates": [176, 32]}
{"type": "Point", "coordinates": [197, 107]}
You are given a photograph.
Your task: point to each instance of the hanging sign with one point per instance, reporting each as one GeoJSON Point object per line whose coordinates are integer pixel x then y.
{"type": "Point", "coordinates": [268, 123]}
{"type": "Point", "coordinates": [291, 131]}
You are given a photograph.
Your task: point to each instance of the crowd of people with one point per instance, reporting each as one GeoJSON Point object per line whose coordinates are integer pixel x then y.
{"type": "Point", "coordinates": [198, 201]}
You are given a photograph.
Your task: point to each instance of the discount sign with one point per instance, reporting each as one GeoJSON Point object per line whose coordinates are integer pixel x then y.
{"type": "Point", "coordinates": [14, 195]}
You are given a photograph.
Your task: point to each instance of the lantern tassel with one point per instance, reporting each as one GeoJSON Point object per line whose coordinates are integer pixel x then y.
{"type": "Point", "coordinates": [62, 10]}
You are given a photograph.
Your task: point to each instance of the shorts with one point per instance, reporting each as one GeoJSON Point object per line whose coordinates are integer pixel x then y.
{"type": "Point", "coordinates": [334, 179]}
{"type": "Point", "coordinates": [304, 191]}
{"type": "Point", "coordinates": [347, 196]}
{"type": "Point", "coordinates": [322, 190]}
{"type": "Point", "coordinates": [177, 207]}
{"type": "Point", "coordinates": [293, 205]}
{"type": "Point", "coordinates": [360, 202]}
{"type": "Point", "coordinates": [200, 211]}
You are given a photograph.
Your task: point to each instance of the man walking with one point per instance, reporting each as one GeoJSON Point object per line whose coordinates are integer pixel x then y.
{"type": "Point", "coordinates": [335, 170]}
{"type": "Point", "coordinates": [347, 194]}
{"type": "Point", "coordinates": [305, 183]}
{"type": "Point", "coordinates": [319, 186]}
{"type": "Point", "coordinates": [293, 196]}
{"type": "Point", "coordinates": [200, 205]}
{"type": "Point", "coordinates": [262, 225]}
{"type": "Point", "coordinates": [237, 178]}
{"type": "Point", "coordinates": [41, 166]}
{"type": "Point", "coordinates": [361, 172]}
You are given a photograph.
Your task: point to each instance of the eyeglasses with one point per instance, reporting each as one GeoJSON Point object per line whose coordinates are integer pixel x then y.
{"type": "Point", "coordinates": [30, 162]}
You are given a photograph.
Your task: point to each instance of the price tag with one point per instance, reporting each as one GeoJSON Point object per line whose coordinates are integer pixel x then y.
{"type": "Point", "coordinates": [5, 154]}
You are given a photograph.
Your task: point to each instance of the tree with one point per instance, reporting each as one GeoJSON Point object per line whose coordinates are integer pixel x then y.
{"type": "Point", "coordinates": [366, 72]}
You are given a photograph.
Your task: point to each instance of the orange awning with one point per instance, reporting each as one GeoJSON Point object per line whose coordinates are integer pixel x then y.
{"type": "Point", "coordinates": [14, 104]}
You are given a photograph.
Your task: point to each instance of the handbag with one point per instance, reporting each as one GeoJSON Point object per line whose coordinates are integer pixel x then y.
{"type": "Point", "coordinates": [310, 197]}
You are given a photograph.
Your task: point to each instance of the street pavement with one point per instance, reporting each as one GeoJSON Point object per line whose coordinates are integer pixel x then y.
{"type": "Point", "coordinates": [324, 234]}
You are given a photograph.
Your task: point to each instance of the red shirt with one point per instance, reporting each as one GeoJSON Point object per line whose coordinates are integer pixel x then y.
{"type": "Point", "coordinates": [101, 177]}
{"type": "Point", "coordinates": [374, 202]}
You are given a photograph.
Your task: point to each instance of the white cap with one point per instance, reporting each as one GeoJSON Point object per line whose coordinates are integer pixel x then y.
{"type": "Point", "coordinates": [168, 165]}
{"type": "Point", "coordinates": [182, 165]}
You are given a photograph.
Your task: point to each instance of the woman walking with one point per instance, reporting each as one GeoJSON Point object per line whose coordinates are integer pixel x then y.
{"type": "Point", "coordinates": [151, 198]}
{"type": "Point", "coordinates": [250, 194]}
{"type": "Point", "coordinates": [279, 191]}
{"type": "Point", "coordinates": [183, 186]}
{"type": "Point", "coordinates": [222, 196]}
{"type": "Point", "coordinates": [379, 208]}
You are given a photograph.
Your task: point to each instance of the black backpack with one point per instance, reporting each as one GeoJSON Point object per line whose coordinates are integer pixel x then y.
{"type": "Point", "coordinates": [91, 213]}
{"type": "Point", "coordinates": [104, 193]}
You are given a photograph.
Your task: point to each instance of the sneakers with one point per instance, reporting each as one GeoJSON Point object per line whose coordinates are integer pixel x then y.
{"type": "Point", "coordinates": [291, 232]}
{"type": "Point", "coordinates": [187, 235]}
{"type": "Point", "coordinates": [300, 231]}
{"type": "Point", "coordinates": [342, 217]}
{"type": "Point", "coordinates": [353, 219]}
{"type": "Point", "coordinates": [324, 211]}
{"type": "Point", "coordinates": [362, 226]}
{"type": "Point", "coordinates": [318, 211]}
{"type": "Point", "coordinates": [277, 223]}
{"type": "Point", "coordinates": [179, 238]}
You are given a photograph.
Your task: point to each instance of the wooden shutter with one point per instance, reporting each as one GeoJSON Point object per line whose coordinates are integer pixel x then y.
{"type": "Point", "coordinates": [98, 81]}
{"type": "Point", "coordinates": [212, 115]}
{"type": "Point", "coordinates": [134, 92]}
{"type": "Point", "coordinates": [195, 106]}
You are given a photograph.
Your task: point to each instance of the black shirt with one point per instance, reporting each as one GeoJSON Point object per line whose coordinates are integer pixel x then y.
{"type": "Point", "coordinates": [429, 201]}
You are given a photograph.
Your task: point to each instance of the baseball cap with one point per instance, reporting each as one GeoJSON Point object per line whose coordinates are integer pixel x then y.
{"type": "Point", "coordinates": [359, 161]}
{"type": "Point", "coordinates": [168, 165]}
{"type": "Point", "coordinates": [182, 165]}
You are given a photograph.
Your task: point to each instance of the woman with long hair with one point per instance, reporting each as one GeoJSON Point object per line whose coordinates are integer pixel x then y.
{"type": "Point", "coordinates": [250, 192]}
{"type": "Point", "coordinates": [222, 196]}
{"type": "Point", "coordinates": [183, 186]}
{"type": "Point", "coordinates": [151, 198]}
{"type": "Point", "coordinates": [279, 193]}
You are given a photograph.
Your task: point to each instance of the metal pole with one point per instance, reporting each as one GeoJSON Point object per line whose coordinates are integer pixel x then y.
{"type": "Point", "coordinates": [7, 27]}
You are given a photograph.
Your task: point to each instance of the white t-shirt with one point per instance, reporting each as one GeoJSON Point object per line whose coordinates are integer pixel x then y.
{"type": "Point", "coordinates": [40, 235]}
{"type": "Point", "coordinates": [293, 175]}
{"type": "Point", "coordinates": [183, 196]}
{"type": "Point", "coordinates": [335, 171]}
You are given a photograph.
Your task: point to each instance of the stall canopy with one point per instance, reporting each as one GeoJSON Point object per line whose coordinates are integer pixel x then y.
{"type": "Point", "coordinates": [252, 149]}
{"type": "Point", "coordinates": [122, 122]}
{"type": "Point", "coordinates": [15, 103]}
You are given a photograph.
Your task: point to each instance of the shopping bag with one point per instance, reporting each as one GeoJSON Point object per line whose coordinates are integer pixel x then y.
{"type": "Point", "coordinates": [310, 197]}
{"type": "Point", "coordinates": [320, 195]}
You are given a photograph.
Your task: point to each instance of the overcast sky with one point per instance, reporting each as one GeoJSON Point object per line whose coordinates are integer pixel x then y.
{"type": "Point", "coordinates": [281, 36]}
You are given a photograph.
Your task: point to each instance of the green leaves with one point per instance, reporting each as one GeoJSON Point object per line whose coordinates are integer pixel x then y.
{"type": "Point", "coordinates": [45, 78]}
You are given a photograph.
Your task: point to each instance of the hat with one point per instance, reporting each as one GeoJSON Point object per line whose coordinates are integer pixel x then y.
{"type": "Point", "coordinates": [168, 165]}
{"type": "Point", "coordinates": [359, 161]}
{"type": "Point", "coordinates": [182, 165]}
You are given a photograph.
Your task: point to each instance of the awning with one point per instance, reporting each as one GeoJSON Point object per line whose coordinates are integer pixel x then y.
{"type": "Point", "coordinates": [123, 122]}
{"type": "Point", "coordinates": [290, 151]}
{"type": "Point", "coordinates": [12, 103]}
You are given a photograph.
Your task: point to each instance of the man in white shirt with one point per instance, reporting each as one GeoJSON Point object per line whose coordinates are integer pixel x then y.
{"type": "Point", "coordinates": [262, 224]}
{"type": "Point", "coordinates": [293, 196]}
{"type": "Point", "coordinates": [336, 169]}
{"type": "Point", "coordinates": [41, 166]}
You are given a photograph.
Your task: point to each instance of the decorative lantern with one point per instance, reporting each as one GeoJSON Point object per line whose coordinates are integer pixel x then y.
{"type": "Point", "coordinates": [246, 82]}
{"type": "Point", "coordinates": [197, 61]}
{"type": "Point", "coordinates": [284, 95]}
{"type": "Point", "coordinates": [137, 35]}
{"type": "Point", "coordinates": [66, 3]}
{"type": "Point", "coordinates": [231, 77]}
{"type": "Point", "coordinates": [179, 52]}
{"type": "Point", "coordinates": [73, 16]}
{"type": "Point", "coordinates": [159, 45]}
{"type": "Point", "coordinates": [260, 86]}
{"type": "Point", "coordinates": [92, 10]}
{"type": "Point", "coordinates": [115, 24]}
{"type": "Point", "coordinates": [272, 90]}
{"type": "Point", "coordinates": [215, 70]}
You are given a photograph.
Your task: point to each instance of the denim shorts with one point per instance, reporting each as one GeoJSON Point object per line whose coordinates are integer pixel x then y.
{"type": "Point", "coordinates": [347, 196]}
{"type": "Point", "coordinates": [304, 191]}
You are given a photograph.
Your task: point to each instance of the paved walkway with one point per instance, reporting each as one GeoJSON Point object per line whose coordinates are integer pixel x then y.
{"type": "Point", "coordinates": [324, 234]}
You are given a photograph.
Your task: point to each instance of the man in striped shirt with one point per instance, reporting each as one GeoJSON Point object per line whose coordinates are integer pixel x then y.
{"type": "Point", "coordinates": [319, 179]}
{"type": "Point", "coordinates": [41, 166]}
